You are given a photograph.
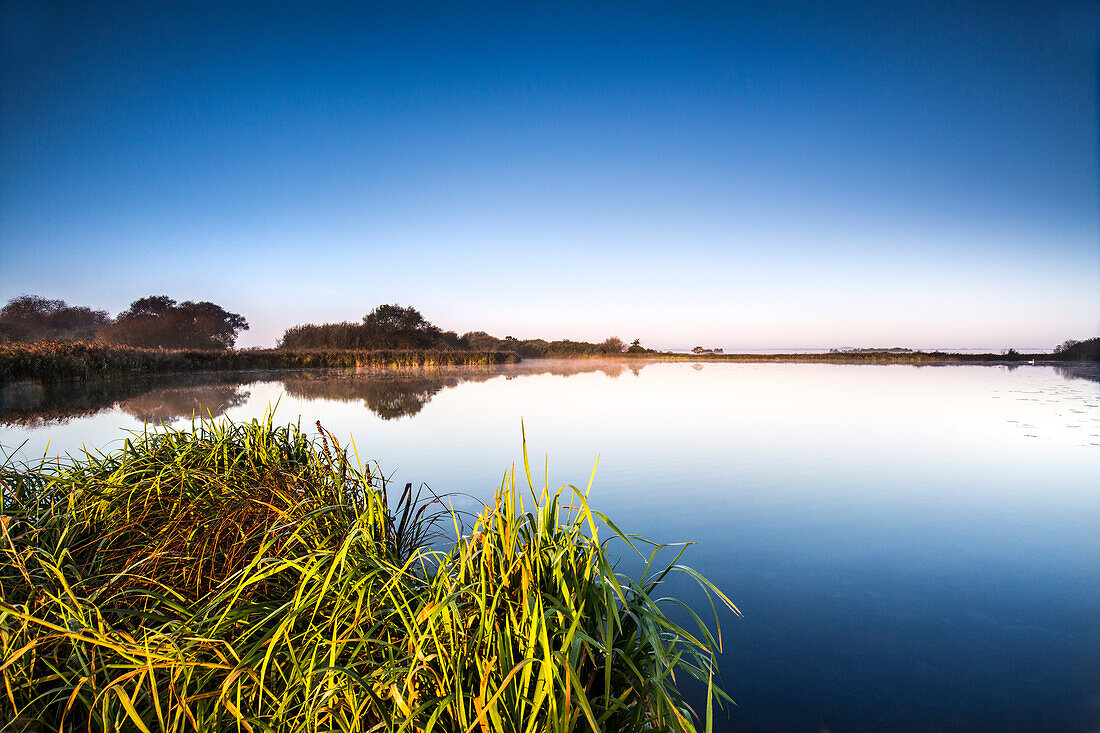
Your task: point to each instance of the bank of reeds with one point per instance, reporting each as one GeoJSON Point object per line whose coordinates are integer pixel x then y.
{"type": "Point", "coordinates": [247, 577]}
{"type": "Point", "coordinates": [59, 361]}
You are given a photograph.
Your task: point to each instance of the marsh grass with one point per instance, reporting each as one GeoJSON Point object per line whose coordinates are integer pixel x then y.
{"type": "Point", "coordinates": [251, 577]}
{"type": "Point", "coordinates": [59, 361]}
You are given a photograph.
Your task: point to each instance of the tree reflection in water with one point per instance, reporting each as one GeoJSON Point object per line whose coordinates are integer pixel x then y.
{"type": "Point", "coordinates": [395, 393]}
{"type": "Point", "coordinates": [388, 393]}
{"type": "Point", "coordinates": [1091, 372]}
{"type": "Point", "coordinates": [148, 398]}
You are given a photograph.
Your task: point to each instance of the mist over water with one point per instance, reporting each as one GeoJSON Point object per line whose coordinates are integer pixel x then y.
{"type": "Point", "coordinates": [914, 548]}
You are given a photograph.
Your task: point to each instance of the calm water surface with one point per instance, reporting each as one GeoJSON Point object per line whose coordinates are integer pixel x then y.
{"type": "Point", "coordinates": [913, 548]}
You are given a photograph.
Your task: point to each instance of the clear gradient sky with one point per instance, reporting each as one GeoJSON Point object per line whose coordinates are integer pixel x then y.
{"type": "Point", "coordinates": [757, 175]}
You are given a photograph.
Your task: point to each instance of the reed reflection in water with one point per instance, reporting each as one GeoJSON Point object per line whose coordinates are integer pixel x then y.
{"type": "Point", "coordinates": [388, 393]}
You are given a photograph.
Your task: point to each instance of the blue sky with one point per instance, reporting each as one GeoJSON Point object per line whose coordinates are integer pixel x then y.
{"type": "Point", "coordinates": [738, 175]}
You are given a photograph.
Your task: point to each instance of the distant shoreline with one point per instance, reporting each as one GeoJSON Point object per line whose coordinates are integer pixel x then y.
{"type": "Point", "coordinates": [55, 362]}
{"type": "Point", "coordinates": [913, 357]}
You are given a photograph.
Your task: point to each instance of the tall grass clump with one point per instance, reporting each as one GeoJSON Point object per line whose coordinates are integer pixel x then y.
{"type": "Point", "coordinates": [250, 577]}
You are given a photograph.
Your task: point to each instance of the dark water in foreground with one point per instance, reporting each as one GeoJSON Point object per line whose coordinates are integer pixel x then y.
{"type": "Point", "coordinates": [913, 548]}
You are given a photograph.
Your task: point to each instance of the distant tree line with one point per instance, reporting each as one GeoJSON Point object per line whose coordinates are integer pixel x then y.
{"type": "Point", "coordinates": [873, 350]}
{"type": "Point", "coordinates": [1073, 350]}
{"type": "Point", "coordinates": [158, 321]}
{"type": "Point", "coordinates": [403, 327]}
{"type": "Point", "coordinates": [153, 322]}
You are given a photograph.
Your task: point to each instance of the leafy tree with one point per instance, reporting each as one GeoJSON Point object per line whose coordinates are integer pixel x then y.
{"type": "Point", "coordinates": [394, 318]}
{"type": "Point", "coordinates": [211, 326]}
{"type": "Point", "coordinates": [613, 345]}
{"type": "Point", "coordinates": [154, 305]}
{"type": "Point", "coordinates": [636, 347]}
{"type": "Point", "coordinates": [481, 341]}
{"type": "Point", "coordinates": [34, 318]}
{"type": "Point", "coordinates": [159, 322]}
{"type": "Point", "coordinates": [395, 326]}
{"type": "Point", "coordinates": [452, 341]}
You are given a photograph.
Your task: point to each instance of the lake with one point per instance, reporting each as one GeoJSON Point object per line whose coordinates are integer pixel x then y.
{"type": "Point", "coordinates": [913, 548]}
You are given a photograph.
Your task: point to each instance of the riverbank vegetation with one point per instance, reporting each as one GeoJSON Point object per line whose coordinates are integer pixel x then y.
{"type": "Point", "coordinates": [158, 335]}
{"type": "Point", "coordinates": [249, 577]}
{"type": "Point", "coordinates": [45, 363]}
{"type": "Point", "coordinates": [58, 361]}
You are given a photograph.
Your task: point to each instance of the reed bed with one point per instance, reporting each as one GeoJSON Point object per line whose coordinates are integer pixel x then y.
{"type": "Point", "coordinates": [58, 361]}
{"type": "Point", "coordinates": [249, 577]}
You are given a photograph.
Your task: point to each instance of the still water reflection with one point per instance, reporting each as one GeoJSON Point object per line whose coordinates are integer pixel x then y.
{"type": "Point", "coordinates": [388, 393]}
{"type": "Point", "coordinates": [913, 548]}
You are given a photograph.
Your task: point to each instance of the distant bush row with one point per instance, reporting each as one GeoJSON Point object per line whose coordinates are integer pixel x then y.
{"type": "Point", "coordinates": [400, 327]}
